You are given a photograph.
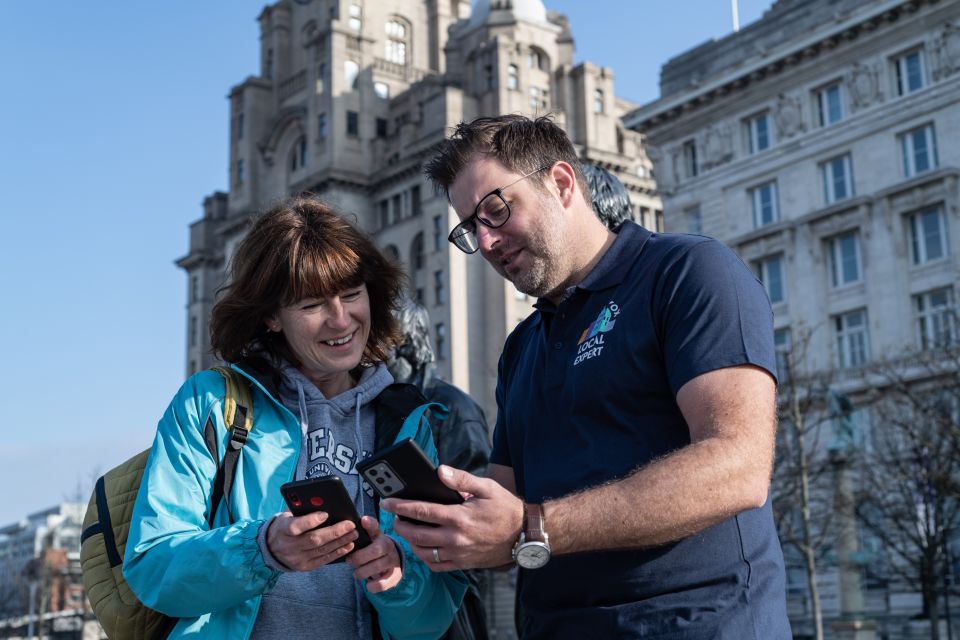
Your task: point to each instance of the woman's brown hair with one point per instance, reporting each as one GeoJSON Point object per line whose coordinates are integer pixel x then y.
{"type": "Point", "coordinates": [299, 249]}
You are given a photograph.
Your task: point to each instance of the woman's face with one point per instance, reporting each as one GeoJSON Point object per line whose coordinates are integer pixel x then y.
{"type": "Point", "coordinates": [327, 335]}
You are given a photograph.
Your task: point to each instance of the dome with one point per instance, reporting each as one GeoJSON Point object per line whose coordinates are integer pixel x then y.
{"type": "Point", "coordinates": [530, 10]}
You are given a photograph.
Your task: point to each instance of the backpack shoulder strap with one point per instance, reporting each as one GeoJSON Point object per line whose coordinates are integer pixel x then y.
{"type": "Point", "coordinates": [238, 418]}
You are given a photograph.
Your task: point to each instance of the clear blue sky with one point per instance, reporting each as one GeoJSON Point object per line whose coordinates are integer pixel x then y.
{"type": "Point", "coordinates": [113, 128]}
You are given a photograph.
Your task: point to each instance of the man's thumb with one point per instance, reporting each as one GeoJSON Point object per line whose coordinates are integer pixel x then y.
{"type": "Point", "coordinates": [459, 480]}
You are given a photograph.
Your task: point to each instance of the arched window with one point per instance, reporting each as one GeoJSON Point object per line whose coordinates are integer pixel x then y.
{"type": "Point", "coordinates": [392, 251]}
{"type": "Point", "coordinates": [416, 252]}
{"type": "Point", "coordinates": [538, 59]}
{"type": "Point", "coordinates": [598, 100]}
{"type": "Point", "coordinates": [298, 154]}
{"type": "Point", "coordinates": [512, 80]}
{"type": "Point", "coordinates": [351, 70]}
{"type": "Point", "coordinates": [395, 47]}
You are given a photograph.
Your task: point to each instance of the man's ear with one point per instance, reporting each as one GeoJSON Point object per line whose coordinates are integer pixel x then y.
{"type": "Point", "coordinates": [566, 181]}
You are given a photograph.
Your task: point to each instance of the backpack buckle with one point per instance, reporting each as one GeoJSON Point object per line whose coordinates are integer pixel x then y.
{"type": "Point", "coordinates": [238, 437]}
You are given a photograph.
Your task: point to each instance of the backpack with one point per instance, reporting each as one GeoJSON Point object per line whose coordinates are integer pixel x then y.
{"type": "Point", "coordinates": [107, 522]}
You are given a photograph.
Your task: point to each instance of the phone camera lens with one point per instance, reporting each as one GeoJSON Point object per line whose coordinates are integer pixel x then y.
{"type": "Point", "coordinates": [373, 472]}
{"type": "Point", "coordinates": [380, 481]}
{"type": "Point", "coordinates": [388, 489]}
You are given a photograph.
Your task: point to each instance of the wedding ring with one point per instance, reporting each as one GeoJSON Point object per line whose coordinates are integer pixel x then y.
{"type": "Point", "coordinates": [436, 555]}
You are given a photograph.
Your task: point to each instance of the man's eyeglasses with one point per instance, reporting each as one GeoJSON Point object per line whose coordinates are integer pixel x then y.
{"type": "Point", "coordinates": [492, 211]}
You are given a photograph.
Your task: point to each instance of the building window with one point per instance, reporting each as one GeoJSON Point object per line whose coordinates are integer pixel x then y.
{"type": "Point", "coordinates": [911, 72]}
{"type": "Point", "coordinates": [381, 127]}
{"type": "Point", "coordinates": [193, 331]}
{"type": "Point", "coordinates": [919, 148]}
{"type": "Point", "coordinates": [765, 208]}
{"type": "Point", "coordinates": [539, 99]}
{"type": "Point", "coordinates": [512, 79]}
{"type": "Point", "coordinates": [488, 76]}
{"type": "Point", "coordinates": [781, 347]}
{"type": "Point", "coordinates": [439, 291]}
{"type": "Point", "coordinates": [418, 296]}
{"type": "Point", "coordinates": [598, 100]}
{"type": "Point", "coordinates": [658, 223]}
{"type": "Point", "coordinates": [298, 154]}
{"type": "Point", "coordinates": [537, 59]}
{"type": "Point", "coordinates": [845, 259]}
{"type": "Point", "coordinates": [268, 64]}
{"type": "Point", "coordinates": [193, 367]}
{"type": "Point", "coordinates": [770, 272]}
{"type": "Point", "coordinates": [837, 176]}
{"type": "Point", "coordinates": [241, 171]}
{"type": "Point", "coordinates": [690, 166]}
{"type": "Point", "coordinates": [853, 340]}
{"type": "Point", "coordinates": [322, 126]}
{"type": "Point", "coordinates": [440, 341]}
{"type": "Point", "coordinates": [694, 221]}
{"type": "Point", "coordinates": [928, 235]}
{"type": "Point", "coordinates": [396, 44]}
{"type": "Point", "coordinates": [936, 318]}
{"type": "Point", "coordinates": [758, 133]}
{"type": "Point", "coordinates": [383, 209]}
{"type": "Point", "coordinates": [392, 251]}
{"type": "Point", "coordinates": [416, 206]}
{"type": "Point", "coordinates": [194, 288]}
{"type": "Point", "coordinates": [351, 71]}
{"type": "Point", "coordinates": [321, 76]}
{"type": "Point", "coordinates": [396, 209]}
{"type": "Point", "coordinates": [353, 123]}
{"type": "Point", "coordinates": [829, 103]}
{"type": "Point", "coordinates": [438, 235]}
{"type": "Point", "coordinates": [355, 17]}
{"type": "Point", "coordinates": [417, 257]}
{"type": "Point", "coordinates": [241, 125]}
{"type": "Point", "coordinates": [381, 90]}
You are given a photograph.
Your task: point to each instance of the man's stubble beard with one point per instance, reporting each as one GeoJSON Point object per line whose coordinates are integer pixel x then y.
{"type": "Point", "coordinates": [546, 271]}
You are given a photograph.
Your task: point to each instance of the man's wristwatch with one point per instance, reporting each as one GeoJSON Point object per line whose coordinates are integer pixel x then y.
{"type": "Point", "coordinates": [532, 549]}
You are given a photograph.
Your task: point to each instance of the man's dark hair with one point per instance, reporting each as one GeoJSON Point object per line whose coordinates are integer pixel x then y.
{"type": "Point", "coordinates": [520, 144]}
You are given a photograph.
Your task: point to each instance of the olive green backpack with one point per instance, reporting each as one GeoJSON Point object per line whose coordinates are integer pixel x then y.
{"type": "Point", "coordinates": [107, 522]}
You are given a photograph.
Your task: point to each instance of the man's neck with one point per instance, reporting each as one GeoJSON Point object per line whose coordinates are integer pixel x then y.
{"type": "Point", "coordinates": [597, 240]}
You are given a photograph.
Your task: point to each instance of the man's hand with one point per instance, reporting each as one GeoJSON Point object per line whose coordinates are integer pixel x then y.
{"type": "Point", "coordinates": [301, 546]}
{"type": "Point", "coordinates": [379, 562]}
{"type": "Point", "coordinates": [479, 533]}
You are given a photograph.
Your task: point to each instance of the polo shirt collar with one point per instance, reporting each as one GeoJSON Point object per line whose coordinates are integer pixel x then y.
{"type": "Point", "coordinates": [613, 266]}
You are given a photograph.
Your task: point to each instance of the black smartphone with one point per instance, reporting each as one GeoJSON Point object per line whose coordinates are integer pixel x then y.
{"type": "Point", "coordinates": [325, 494]}
{"type": "Point", "coordinates": [405, 471]}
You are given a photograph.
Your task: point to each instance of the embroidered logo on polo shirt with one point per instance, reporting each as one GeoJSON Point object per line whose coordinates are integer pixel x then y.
{"type": "Point", "coordinates": [591, 342]}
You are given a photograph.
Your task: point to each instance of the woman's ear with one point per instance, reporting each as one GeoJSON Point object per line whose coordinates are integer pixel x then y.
{"type": "Point", "coordinates": [273, 324]}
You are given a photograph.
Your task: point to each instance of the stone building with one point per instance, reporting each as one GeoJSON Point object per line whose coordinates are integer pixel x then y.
{"type": "Point", "coordinates": [40, 555]}
{"type": "Point", "coordinates": [817, 143]}
{"type": "Point", "coordinates": [352, 97]}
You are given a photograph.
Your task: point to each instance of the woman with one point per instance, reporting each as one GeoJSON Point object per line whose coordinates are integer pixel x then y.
{"type": "Point", "coordinates": [308, 317]}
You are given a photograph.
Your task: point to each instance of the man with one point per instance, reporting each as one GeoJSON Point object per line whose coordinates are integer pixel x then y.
{"type": "Point", "coordinates": [636, 412]}
{"type": "Point", "coordinates": [462, 440]}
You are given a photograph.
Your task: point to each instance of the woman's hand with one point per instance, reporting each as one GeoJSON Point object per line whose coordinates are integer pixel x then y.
{"type": "Point", "coordinates": [299, 544]}
{"type": "Point", "coordinates": [379, 562]}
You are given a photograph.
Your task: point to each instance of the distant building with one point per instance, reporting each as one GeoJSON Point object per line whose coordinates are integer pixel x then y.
{"type": "Point", "coordinates": [820, 143]}
{"type": "Point", "coordinates": [350, 100]}
{"type": "Point", "coordinates": [41, 555]}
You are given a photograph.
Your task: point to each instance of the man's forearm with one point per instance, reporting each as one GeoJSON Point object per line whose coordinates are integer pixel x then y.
{"type": "Point", "coordinates": [668, 499]}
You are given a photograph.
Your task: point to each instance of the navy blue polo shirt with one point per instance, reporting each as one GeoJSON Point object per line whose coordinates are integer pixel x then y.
{"type": "Point", "coordinates": [586, 394]}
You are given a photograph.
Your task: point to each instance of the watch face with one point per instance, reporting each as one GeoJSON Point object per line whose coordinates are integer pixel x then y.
{"type": "Point", "coordinates": [533, 555]}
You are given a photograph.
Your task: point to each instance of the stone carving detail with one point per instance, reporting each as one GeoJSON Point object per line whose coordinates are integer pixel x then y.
{"type": "Point", "coordinates": [864, 85]}
{"type": "Point", "coordinates": [717, 145]}
{"type": "Point", "coordinates": [788, 115]}
{"type": "Point", "coordinates": [947, 51]}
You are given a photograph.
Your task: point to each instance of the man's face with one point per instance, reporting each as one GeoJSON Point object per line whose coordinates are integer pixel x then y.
{"type": "Point", "coordinates": [528, 249]}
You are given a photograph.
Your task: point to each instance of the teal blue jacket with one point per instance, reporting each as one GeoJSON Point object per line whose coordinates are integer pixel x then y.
{"type": "Point", "coordinates": [213, 579]}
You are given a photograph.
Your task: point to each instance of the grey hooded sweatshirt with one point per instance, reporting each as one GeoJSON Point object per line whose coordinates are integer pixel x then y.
{"type": "Point", "coordinates": [338, 432]}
